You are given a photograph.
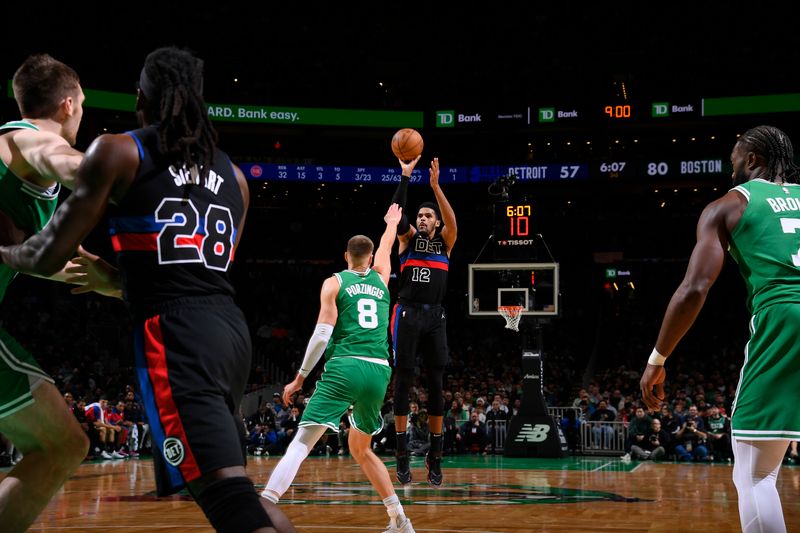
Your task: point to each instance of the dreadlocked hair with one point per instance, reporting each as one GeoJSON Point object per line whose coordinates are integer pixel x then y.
{"type": "Point", "coordinates": [186, 136]}
{"type": "Point", "coordinates": [776, 149]}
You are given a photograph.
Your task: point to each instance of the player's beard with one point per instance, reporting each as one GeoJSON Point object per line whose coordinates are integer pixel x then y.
{"type": "Point", "coordinates": [422, 233]}
{"type": "Point", "coordinates": [739, 178]}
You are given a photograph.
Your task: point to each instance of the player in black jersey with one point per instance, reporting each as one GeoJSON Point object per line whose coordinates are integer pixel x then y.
{"type": "Point", "coordinates": [181, 206]}
{"type": "Point", "coordinates": [418, 321]}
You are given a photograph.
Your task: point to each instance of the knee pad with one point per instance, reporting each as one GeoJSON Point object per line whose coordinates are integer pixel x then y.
{"type": "Point", "coordinates": [402, 384]}
{"type": "Point", "coordinates": [232, 506]}
{"type": "Point", "coordinates": [435, 394]}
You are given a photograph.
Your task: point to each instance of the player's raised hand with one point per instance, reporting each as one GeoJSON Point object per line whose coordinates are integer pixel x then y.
{"type": "Point", "coordinates": [409, 167]}
{"type": "Point", "coordinates": [652, 384]}
{"type": "Point", "coordinates": [393, 215]}
{"type": "Point", "coordinates": [434, 170]}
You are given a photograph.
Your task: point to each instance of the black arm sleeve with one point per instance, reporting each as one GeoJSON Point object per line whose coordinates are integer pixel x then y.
{"type": "Point", "coordinates": [399, 198]}
{"type": "Point", "coordinates": [401, 193]}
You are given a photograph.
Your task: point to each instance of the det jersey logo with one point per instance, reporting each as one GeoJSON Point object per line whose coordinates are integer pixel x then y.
{"type": "Point", "coordinates": [174, 452]}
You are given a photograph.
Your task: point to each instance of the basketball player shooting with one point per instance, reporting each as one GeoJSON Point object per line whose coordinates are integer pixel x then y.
{"type": "Point", "coordinates": [419, 320]}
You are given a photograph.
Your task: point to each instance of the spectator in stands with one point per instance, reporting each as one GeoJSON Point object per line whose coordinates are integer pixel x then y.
{"type": "Point", "coordinates": [481, 410]}
{"type": "Point", "coordinates": [654, 445]}
{"type": "Point", "coordinates": [262, 440]}
{"type": "Point", "coordinates": [140, 429]}
{"type": "Point", "coordinates": [602, 430]}
{"type": "Point", "coordinates": [571, 426]}
{"type": "Point", "coordinates": [106, 433]}
{"type": "Point", "coordinates": [690, 440]}
{"type": "Point", "coordinates": [277, 405]}
{"type": "Point", "coordinates": [473, 434]}
{"type": "Point", "coordinates": [606, 400]}
{"type": "Point", "coordinates": [290, 426]}
{"type": "Point", "coordinates": [718, 430]}
{"type": "Point", "coordinates": [263, 417]}
{"type": "Point", "coordinates": [496, 414]}
{"type": "Point", "coordinates": [451, 437]}
{"type": "Point", "coordinates": [116, 417]}
{"type": "Point", "coordinates": [638, 429]}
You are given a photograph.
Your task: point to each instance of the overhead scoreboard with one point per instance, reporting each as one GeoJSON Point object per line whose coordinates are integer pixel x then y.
{"type": "Point", "coordinates": [713, 166]}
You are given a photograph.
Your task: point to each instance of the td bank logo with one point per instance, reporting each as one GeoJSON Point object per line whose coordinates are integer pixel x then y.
{"type": "Point", "coordinates": [547, 114]}
{"type": "Point", "coordinates": [445, 119]}
{"type": "Point", "coordinates": [531, 433]}
{"type": "Point", "coordinates": [660, 109]}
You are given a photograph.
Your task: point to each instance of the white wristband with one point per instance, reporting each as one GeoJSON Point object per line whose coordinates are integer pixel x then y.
{"type": "Point", "coordinates": [656, 358]}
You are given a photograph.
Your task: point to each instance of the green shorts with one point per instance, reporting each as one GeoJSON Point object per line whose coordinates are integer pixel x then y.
{"type": "Point", "coordinates": [769, 385]}
{"type": "Point", "coordinates": [349, 381]}
{"type": "Point", "coordinates": [19, 375]}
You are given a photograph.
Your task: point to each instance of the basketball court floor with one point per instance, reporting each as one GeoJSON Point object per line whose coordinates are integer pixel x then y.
{"type": "Point", "coordinates": [481, 494]}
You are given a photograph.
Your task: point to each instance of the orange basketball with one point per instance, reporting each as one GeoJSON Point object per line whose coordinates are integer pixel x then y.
{"type": "Point", "coordinates": [407, 144]}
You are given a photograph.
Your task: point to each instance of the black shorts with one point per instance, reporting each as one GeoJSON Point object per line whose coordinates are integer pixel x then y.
{"type": "Point", "coordinates": [193, 360]}
{"type": "Point", "coordinates": [419, 329]}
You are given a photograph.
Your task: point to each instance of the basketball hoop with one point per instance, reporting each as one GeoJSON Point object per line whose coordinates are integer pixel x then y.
{"type": "Point", "coordinates": [512, 314]}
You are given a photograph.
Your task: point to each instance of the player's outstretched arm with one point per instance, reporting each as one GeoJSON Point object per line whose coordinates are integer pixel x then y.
{"type": "Point", "coordinates": [382, 264]}
{"type": "Point", "coordinates": [328, 314]}
{"type": "Point", "coordinates": [450, 230]}
{"type": "Point", "coordinates": [49, 155]}
{"type": "Point", "coordinates": [404, 230]}
{"type": "Point", "coordinates": [704, 267]}
{"type": "Point", "coordinates": [109, 160]}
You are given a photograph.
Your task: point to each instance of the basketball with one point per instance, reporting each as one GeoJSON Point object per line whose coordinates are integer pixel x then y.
{"type": "Point", "coordinates": [407, 144]}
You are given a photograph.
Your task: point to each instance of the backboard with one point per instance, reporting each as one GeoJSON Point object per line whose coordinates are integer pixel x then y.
{"type": "Point", "coordinates": [534, 286]}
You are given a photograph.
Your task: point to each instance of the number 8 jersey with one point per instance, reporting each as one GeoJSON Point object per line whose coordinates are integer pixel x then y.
{"type": "Point", "coordinates": [363, 316]}
{"type": "Point", "coordinates": [174, 230]}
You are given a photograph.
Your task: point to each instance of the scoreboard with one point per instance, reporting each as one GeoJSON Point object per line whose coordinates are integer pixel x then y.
{"type": "Point", "coordinates": [714, 167]}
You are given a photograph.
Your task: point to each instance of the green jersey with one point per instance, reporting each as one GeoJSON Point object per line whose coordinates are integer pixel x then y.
{"type": "Point", "coordinates": [766, 243]}
{"type": "Point", "coordinates": [362, 325]}
{"type": "Point", "coordinates": [29, 206]}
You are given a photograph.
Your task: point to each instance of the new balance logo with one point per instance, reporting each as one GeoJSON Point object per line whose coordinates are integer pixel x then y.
{"type": "Point", "coordinates": [531, 433]}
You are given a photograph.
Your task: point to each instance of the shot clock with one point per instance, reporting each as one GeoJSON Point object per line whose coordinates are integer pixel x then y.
{"type": "Point", "coordinates": [513, 224]}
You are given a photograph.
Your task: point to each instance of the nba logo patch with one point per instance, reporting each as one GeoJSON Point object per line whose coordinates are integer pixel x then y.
{"type": "Point", "coordinates": [173, 451]}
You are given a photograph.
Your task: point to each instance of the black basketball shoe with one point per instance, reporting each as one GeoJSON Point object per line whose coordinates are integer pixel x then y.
{"type": "Point", "coordinates": [434, 464]}
{"type": "Point", "coordinates": [403, 469]}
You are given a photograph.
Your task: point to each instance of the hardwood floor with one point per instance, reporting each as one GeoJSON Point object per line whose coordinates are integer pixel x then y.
{"type": "Point", "coordinates": [481, 494]}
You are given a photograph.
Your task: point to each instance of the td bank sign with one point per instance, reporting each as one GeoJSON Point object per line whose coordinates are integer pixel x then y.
{"type": "Point", "coordinates": [449, 118]}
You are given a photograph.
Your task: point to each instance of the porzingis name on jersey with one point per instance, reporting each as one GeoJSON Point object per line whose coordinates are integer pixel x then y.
{"type": "Point", "coordinates": [184, 176]}
{"type": "Point", "coordinates": [363, 288]}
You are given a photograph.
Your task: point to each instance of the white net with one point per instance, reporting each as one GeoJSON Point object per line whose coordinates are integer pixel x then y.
{"type": "Point", "coordinates": [512, 314]}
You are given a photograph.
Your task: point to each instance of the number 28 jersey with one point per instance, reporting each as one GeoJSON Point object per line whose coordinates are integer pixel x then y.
{"type": "Point", "coordinates": [174, 230]}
